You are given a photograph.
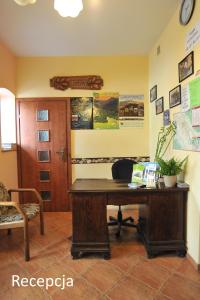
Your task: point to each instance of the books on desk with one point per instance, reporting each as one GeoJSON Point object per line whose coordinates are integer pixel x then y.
{"type": "Point", "coordinates": [145, 173]}
{"type": "Point", "coordinates": [138, 174]}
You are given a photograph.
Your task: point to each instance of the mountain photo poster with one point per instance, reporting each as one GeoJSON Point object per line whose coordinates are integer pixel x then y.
{"type": "Point", "coordinates": [131, 111]}
{"type": "Point", "coordinates": [106, 111]}
{"type": "Point", "coordinates": [81, 112]}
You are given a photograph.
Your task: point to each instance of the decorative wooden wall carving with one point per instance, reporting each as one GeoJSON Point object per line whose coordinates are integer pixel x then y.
{"type": "Point", "coordinates": [89, 82]}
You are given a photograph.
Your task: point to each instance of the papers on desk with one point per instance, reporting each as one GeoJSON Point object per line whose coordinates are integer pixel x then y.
{"type": "Point", "coordinates": [182, 185]}
{"type": "Point", "coordinates": [134, 185]}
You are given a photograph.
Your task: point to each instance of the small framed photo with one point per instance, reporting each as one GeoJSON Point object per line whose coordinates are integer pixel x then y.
{"type": "Point", "coordinates": [175, 96]}
{"type": "Point", "coordinates": [159, 104]}
{"type": "Point", "coordinates": [166, 117]}
{"type": "Point", "coordinates": [153, 93]}
{"type": "Point", "coordinates": [186, 67]}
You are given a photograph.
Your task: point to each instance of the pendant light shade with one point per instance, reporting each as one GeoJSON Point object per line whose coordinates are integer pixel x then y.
{"type": "Point", "coordinates": [68, 8]}
{"type": "Point", "coordinates": [25, 2]}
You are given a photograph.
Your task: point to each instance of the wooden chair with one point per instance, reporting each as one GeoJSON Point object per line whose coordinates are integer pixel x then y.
{"type": "Point", "coordinates": [13, 214]}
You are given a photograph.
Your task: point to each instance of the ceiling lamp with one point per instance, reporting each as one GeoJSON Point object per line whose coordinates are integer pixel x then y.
{"type": "Point", "coordinates": [25, 2]}
{"type": "Point", "coordinates": [68, 8]}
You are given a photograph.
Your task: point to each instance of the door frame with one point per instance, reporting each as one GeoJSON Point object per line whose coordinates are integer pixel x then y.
{"type": "Point", "coordinates": [68, 133]}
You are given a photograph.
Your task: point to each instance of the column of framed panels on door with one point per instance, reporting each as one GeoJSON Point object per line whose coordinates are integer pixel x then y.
{"type": "Point", "coordinates": [43, 136]}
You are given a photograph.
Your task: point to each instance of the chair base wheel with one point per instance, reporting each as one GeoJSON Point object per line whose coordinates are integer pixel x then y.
{"type": "Point", "coordinates": [117, 234]}
{"type": "Point", "coordinates": [127, 222]}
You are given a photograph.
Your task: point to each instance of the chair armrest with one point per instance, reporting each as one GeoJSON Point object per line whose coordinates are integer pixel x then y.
{"type": "Point", "coordinates": [8, 203]}
{"type": "Point", "coordinates": [16, 205]}
{"type": "Point", "coordinates": [21, 190]}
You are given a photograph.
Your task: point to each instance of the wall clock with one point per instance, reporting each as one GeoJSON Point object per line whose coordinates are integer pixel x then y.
{"type": "Point", "coordinates": [186, 11]}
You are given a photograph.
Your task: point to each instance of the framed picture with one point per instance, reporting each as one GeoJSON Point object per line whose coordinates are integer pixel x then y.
{"type": "Point", "coordinates": [153, 93]}
{"type": "Point", "coordinates": [186, 67]}
{"type": "Point", "coordinates": [159, 104]}
{"type": "Point", "coordinates": [175, 96]}
{"type": "Point", "coordinates": [81, 112]}
{"type": "Point", "coordinates": [166, 117]}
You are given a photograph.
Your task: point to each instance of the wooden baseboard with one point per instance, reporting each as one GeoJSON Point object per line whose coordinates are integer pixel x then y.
{"type": "Point", "coordinates": [195, 265]}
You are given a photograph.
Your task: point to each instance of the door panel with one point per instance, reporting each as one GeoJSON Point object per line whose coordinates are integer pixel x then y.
{"type": "Point", "coordinates": [44, 147]}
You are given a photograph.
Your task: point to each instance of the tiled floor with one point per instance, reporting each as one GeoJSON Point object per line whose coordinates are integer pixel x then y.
{"type": "Point", "coordinates": [127, 275]}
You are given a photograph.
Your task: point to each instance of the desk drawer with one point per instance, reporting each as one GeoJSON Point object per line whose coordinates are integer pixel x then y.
{"type": "Point", "coordinates": [126, 198]}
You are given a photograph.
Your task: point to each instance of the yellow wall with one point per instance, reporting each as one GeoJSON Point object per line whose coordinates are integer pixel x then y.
{"type": "Point", "coordinates": [123, 74]}
{"type": "Point", "coordinates": [8, 160]}
{"type": "Point", "coordinates": [163, 71]}
{"type": "Point", "coordinates": [8, 69]}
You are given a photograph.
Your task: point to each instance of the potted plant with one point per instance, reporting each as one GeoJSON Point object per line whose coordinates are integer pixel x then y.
{"type": "Point", "coordinates": [169, 169]}
{"type": "Point", "coordinates": [165, 136]}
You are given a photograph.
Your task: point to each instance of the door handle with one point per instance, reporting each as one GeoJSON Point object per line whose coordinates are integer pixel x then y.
{"type": "Point", "coordinates": [62, 154]}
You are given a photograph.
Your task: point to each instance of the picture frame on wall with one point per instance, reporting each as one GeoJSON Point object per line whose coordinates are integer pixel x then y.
{"type": "Point", "coordinates": [153, 93]}
{"type": "Point", "coordinates": [166, 117]}
{"type": "Point", "coordinates": [175, 96]}
{"type": "Point", "coordinates": [159, 105]}
{"type": "Point", "coordinates": [81, 112]}
{"type": "Point", "coordinates": [186, 67]}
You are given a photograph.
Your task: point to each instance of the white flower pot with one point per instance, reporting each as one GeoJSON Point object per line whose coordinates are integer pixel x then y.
{"type": "Point", "coordinates": [170, 181]}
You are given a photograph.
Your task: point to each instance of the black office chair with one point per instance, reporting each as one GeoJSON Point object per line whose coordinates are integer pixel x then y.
{"type": "Point", "coordinates": [122, 169]}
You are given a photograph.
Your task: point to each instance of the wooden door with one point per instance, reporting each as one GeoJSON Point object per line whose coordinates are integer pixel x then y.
{"type": "Point", "coordinates": [44, 149]}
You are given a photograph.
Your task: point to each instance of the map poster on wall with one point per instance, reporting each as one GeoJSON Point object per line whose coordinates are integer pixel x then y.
{"type": "Point", "coordinates": [187, 137]}
{"type": "Point", "coordinates": [81, 112]}
{"type": "Point", "coordinates": [194, 86]}
{"type": "Point", "coordinates": [131, 111]}
{"type": "Point", "coordinates": [196, 117]}
{"type": "Point", "coordinates": [106, 111]}
{"type": "Point", "coordinates": [185, 97]}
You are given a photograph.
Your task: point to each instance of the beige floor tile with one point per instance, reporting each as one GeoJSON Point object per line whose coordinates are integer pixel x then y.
{"type": "Point", "coordinates": [160, 296]}
{"type": "Point", "coordinates": [57, 270]}
{"type": "Point", "coordinates": [131, 289]}
{"type": "Point", "coordinates": [103, 276]}
{"type": "Point", "coordinates": [6, 274]}
{"type": "Point", "coordinates": [170, 262]}
{"type": "Point", "coordinates": [82, 290]}
{"type": "Point", "coordinates": [25, 293]}
{"type": "Point", "coordinates": [150, 273]}
{"type": "Point", "coordinates": [122, 259]}
{"type": "Point", "coordinates": [180, 288]}
{"type": "Point", "coordinates": [187, 270]}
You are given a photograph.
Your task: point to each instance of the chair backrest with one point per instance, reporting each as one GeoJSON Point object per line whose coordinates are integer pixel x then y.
{"type": "Point", "coordinates": [4, 196]}
{"type": "Point", "coordinates": [123, 169]}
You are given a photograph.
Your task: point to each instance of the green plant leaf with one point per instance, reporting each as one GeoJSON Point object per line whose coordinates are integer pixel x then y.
{"type": "Point", "coordinates": [172, 166]}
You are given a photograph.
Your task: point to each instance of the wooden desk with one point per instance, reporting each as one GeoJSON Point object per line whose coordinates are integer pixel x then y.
{"type": "Point", "coordinates": [162, 216]}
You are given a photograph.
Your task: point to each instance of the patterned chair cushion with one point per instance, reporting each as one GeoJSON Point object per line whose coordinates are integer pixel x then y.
{"type": "Point", "coordinates": [4, 196]}
{"type": "Point", "coordinates": [12, 215]}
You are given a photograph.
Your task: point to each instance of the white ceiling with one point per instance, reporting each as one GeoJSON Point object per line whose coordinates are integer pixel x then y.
{"type": "Point", "coordinates": [104, 27]}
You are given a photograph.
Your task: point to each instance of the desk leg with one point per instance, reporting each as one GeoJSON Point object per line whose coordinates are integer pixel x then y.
{"type": "Point", "coordinates": [90, 231]}
{"type": "Point", "coordinates": [162, 223]}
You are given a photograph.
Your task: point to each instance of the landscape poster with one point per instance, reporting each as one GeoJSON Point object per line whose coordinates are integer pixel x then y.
{"type": "Point", "coordinates": [81, 112]}
{"type": "Point", "coordinates": [106, 111]}
{"type": "Point", "coordinates": [131, 111]}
